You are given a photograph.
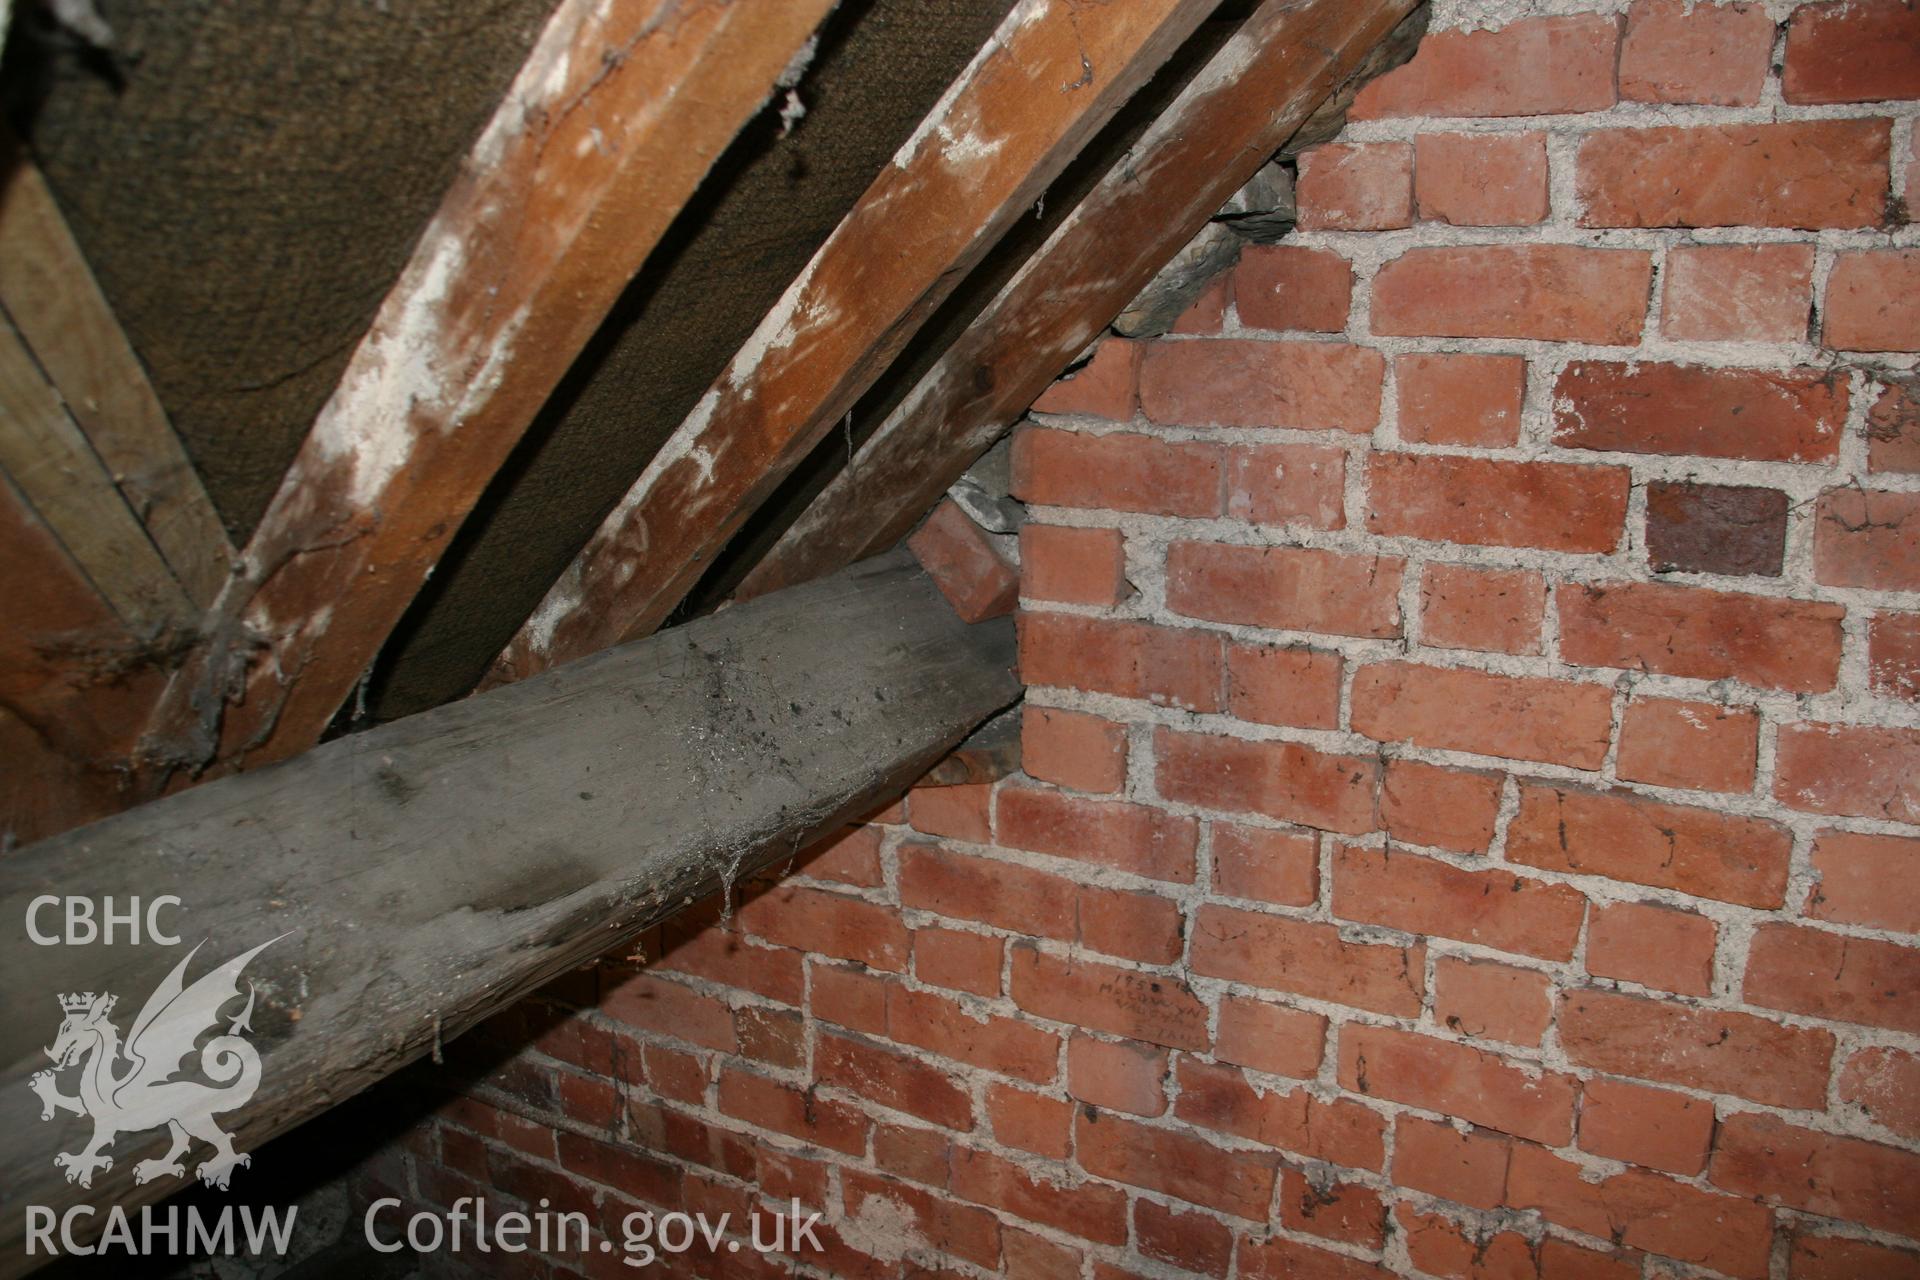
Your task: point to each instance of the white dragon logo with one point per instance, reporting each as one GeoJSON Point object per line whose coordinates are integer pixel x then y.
{"type": "Point", "coordinates": [144, 1095]}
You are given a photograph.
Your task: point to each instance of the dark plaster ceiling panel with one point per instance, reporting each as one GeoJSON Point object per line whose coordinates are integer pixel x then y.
{"type": "Point", "coordinates": [770, 202]}
{"type": "Point", "coordinates": [247, 178]}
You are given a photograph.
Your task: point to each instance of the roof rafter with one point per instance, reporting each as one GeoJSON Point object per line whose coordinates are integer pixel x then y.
{"type": "Point", "coordinates": [1234, 115]}
{"type": "Point", "coordinates": [1050, 77]}
{"type": "Point", "coordinates": [610, 125]}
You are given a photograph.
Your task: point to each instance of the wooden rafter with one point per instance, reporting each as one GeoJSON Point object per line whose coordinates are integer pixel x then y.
{"type": "Point", "coordinates": [1233, 116]}
{"type": "Point", "coordinates": [61, 317]}
{"type": "Point", "coordinates": [617, 115]}
{"type": "Point", "coordinates": [1043, 85]}
{"type": "Point", "coordinates": [417, 877]}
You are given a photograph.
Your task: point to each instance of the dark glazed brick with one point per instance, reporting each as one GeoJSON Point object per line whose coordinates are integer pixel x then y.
{"type": "Point", "coordinates": [1711, 528]}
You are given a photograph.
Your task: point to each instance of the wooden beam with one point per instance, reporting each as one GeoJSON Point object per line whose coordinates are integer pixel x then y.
{"type": "Point", "coordinates": [615, 118]}
{"type": "Point", "coordinates": [64, 319]}
{"type": "Point", "coordinates": [1050, 77]}
{"type": "Point", "coordinates": [73, 683]}
{"type": "Point", "coordinates": [424, 874]}
{"type": "Point", "coordinates": [1287, 58]}
{"type": "Point", "coordinates": [990, 753]}
{"type": "Point", "coordinates": [44, 452]}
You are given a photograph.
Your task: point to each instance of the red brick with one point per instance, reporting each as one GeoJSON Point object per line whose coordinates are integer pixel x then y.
{"type": "Point", "coordinates": [1893, 423]}
{"type": "Point", "coordinates": [1190, 1241]}
{"type": "Point", "coordinates": [1365, 186]}
{"type": "Point", "coordinates": [1867, 538]}
{"type": "Point", "coordinates": [909, 1152]}
{"type": "Point", "coordinates": [772, 1105]}
{"type": "Point", "coordinates": [1286, 588]}
{"type": "Point", "coordinates": [679, 1076]}
{"type": "Point", "coordinates": [1163, 665]}
{"type": "Point", "coordinates": [1646, 1211]}
{"type": "Point", "coordinates": [1737, 292]}
{"type": "Point", "coordinates": [729, 959]}
{"type": "Point", "coordinates": [1282, 780]}
{"type": "Point", "coordinates": [958, 813]}
{"type": "Point", "coordinates": [1446, 808]}
{"type": "Point", "coordinates": [1554, 292]}
{"type": "Point", "coordinates": [1307, 386]}
{"type": "Point", "coordinates": [1561, 1260]}
{"type": "Point", "coordinates": [1073, 566]}
{"type": "Point", "coordinates": [1469, 400]}
{"type": "Point", "coordinates": [1628, 837]}
{"type": "Point", "coordinates": [1009, 1046]}
{"type": "Point", "coordinates": [1299, 484]}
{"type": "Point", "coordinates": [667, 1008]}
{"type": "Point", "coordinates": [828, 924]}
{"type": "Point", "coordinates": [1120, 472]}
{"type": "Point", "coordinates": [1272, 684]}
{"type": "Point", "coordinates": [1087, 1210]}
{"type": "Point", "coordinates": [1101, 997]}
{"type": "Point", "coordinates": [1533, 67]}
{"type": "Point", "coordinates": [1873, 301]}
{"type": "Point", "coordinates": [1716, 1050]}
{"type": "Point", "coordinates": [1030, 1121]}
{"type": "Point", "coordinates": [1673, 743]}
{"type": "Point", "coordinates": [1707, 53]}
{"type": "Point", "coordinates": [1113, 833]}
{"type": "Point", "coordinates": [1811, 173]}
{"type": "Point", "coordinates": [1859, 51]}
{"type": "Point", "coordinates": [1833, 1176]}
{"type": "Point", "coordinates": [1340, 1131]}
{"type": "Point", "coordinates": [892, 1080]}
{"type": "Point", "coordinates": [1467, 1167]}
{"type": "Point", "coordinates": [1893, 655]}
{"type": "Point", "coordinates": [1829, 975]}
{"type": "Point", "coordinates": [1103, 387]}
{"type": "Point", "coordinates": [1707, 635]}
{"type": "Point", "coordinates": [849, 856]}
{"type": "Point", "coordinates": [776, 1037]}
{"type": "Point", "coordinates": [1840, 1258]}
{"type": "Point", "coordinates": [632, 1173]}
{"type": "Point", "coordinates": [1482, 179]}
{"type": "Point", "coordinates": [966, 563]}
{"type": "Point", "coordinates": [958, 1230]}
{"type": "Point", "coordinates": [1791, 416]}
{"type": "Point", "coordinates": [1320, 1206]}
{"type": "Point", "coordinates": [1457, 1080]}
{"type": "Point", "coordinates": [1651, 1127]}
{"type": "Point", "coordinates": [1277, 1257]}
{"type": "Point", "coordinates": [1308, 958]}
{"type": "Point", "coordinates": [995, 893]}
{"type": "Point", "coordinates": [1175, 1164]}
{"type": "Point", "coordinates": [1488, 610]}
{"type": "Point", "coordinates": [1494, 908]}
{"type": "Point", "coordinates": [1867, 880]}
{"type": "Point", "coordinates": [1656, 946]}
{"type": "Point", "coordinates": [1715, 528]}
{"type": "Point", "coordinates": [1439, 1246]}
{"type": "Point", "coordinates": [1208, 312]}
{"type": "Point", "coordinates": [1028, 1257]}
{"type": "Point", "coordinates": [1885, 1083]}
{"type": "Point", "coordinates": [1457, 709]}
{"type": "Point", "coordinates": [1281, 867]}
{"type": "Point", "coordinates": [1073, 749]}
{"type": "Point", "coordinates": [1490, 1001]}
{"type": "Point", "coordinates": [1445, 498]}
{"type": "Point", "coordinates": [1289, 287]}
{"type": "Point", "coordinates": [1270, 1037]}
{"type": "Point", "coordinates": [1119, 1075]}
{"type": "Point", "coordinates": [960, 961]}
{"type": "Point", "coordinates": [1134, 926]}
{"type": "Point", "coordinates": [1859, 771]}
{"type": "Point", "coordinates": [850, 997]}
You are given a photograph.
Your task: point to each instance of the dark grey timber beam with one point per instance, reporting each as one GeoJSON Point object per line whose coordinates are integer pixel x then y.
{"type": "Point", "coordinates": [419, 876]}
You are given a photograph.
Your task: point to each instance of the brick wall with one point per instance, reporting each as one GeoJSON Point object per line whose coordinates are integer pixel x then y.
{"type": "Point", "coordinates": [1472, 823]}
